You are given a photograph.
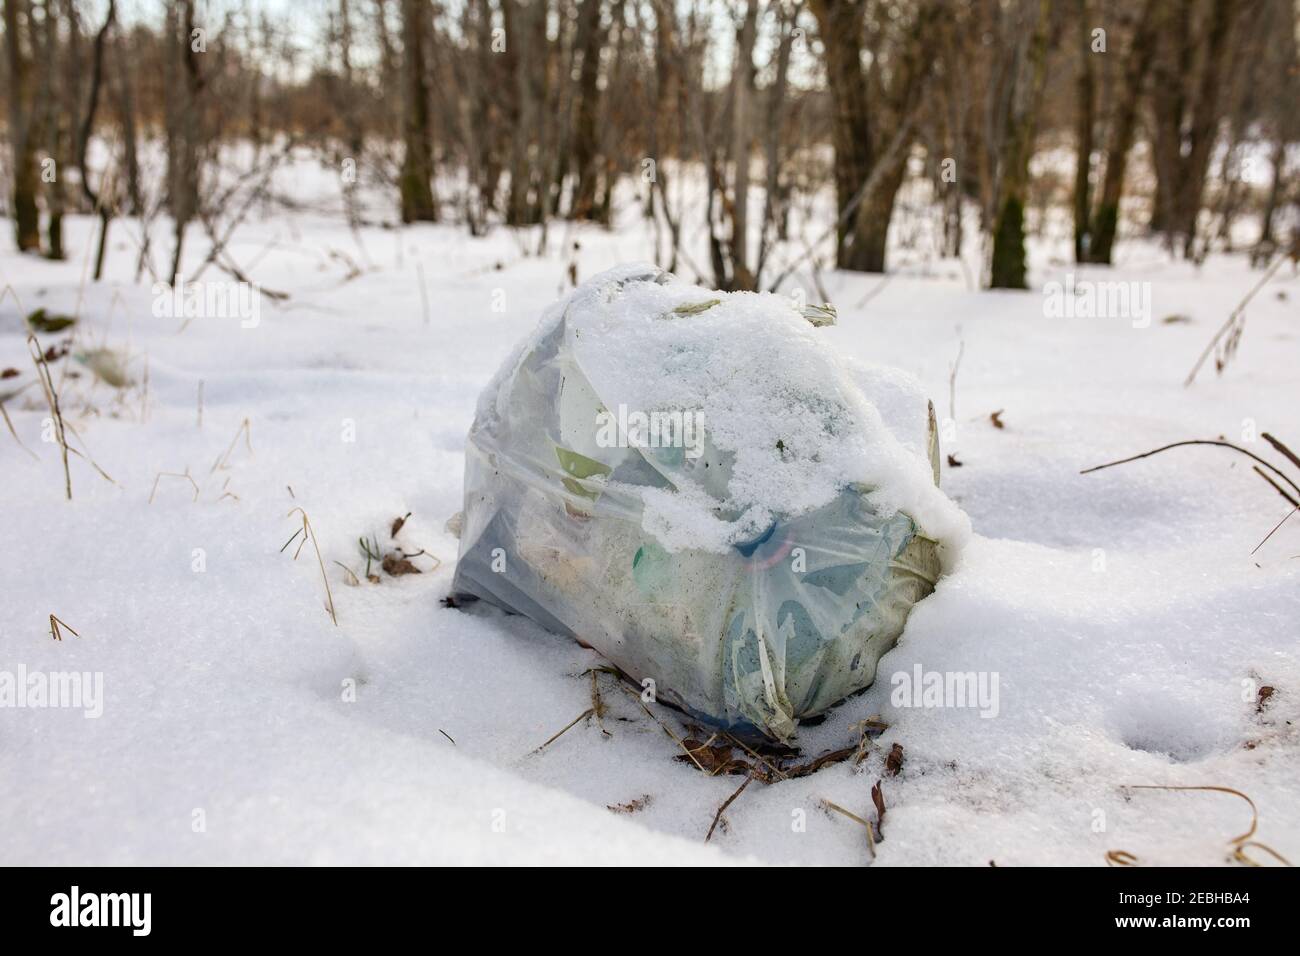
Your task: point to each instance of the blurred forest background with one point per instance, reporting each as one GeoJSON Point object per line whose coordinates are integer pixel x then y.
{"type": "Point", "coordinates": [807, 127]}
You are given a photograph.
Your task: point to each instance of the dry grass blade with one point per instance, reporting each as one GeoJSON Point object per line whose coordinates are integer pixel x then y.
{"type": "Point", "coordinates": [759, 759]}
{"type": "Point", "coordinates": [245, 429]}
{"type": "Point", "coordinates": [10, 425]}
{"type": "Point", "coordinates": [569, 726]}
{"type": "Point", "coordinates": [52, 400]}
{"type": "Point", "coordinates": [871, 837]}
{"type": "Point", "coordinates": [1237, 844]}
{"type": "Point", "coordinates": [597, 704]}
{"type": "Point", "coordinates": [1120, 858]}
{"type": "Point", "coordinates": [174, 474]}
{"type": "Point", "coordinates": [677, 740]}
{"type": "Point", "coordinates": [308, 532]}
{"type": "Point", "coordinates": [57, 628]}
{"type": "Point", "coordinates": [85, 456]}
{"type": "Point", "coordinates": [351, 580]}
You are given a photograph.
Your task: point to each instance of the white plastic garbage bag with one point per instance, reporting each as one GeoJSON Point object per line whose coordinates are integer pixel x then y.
{"type": "Point", "coordinates": [694, 484]}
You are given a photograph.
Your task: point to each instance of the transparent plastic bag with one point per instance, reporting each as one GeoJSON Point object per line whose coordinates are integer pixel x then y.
{"type": "Point", "coordinates": [778, 628]}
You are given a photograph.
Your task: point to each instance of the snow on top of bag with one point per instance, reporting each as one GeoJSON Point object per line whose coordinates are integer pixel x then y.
{"type": "Point", "coordinates": [775, 401]}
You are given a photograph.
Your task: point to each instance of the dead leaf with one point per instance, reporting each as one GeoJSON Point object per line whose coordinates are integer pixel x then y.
{"type": "Point", "coordinates": [953, 462]}
{"type": "Point", "coordinates": [812, 766]}
{"type": "Point", "coordinates": [395, 566]}
{"type": "Point", "coordinates": [1265, 693]}
{"type": "Point", "coordinates": [894, 762]}
{"type": "Point", "coordinates": [397, 525]}
{"type": "Point", "coordinates": [632, 806]}
{"type": "Point", "coordinates": [10, 373]}
{"type": "Point", "coordinates": [996, 418]}
{"type": "Point", "coordinates": [712, 760]}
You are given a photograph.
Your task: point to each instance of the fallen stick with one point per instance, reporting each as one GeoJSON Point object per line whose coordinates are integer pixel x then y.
{"type": "Point", "coordinates": [722, 809]}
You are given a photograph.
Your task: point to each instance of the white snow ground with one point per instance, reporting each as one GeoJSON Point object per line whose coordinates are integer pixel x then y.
{"type": "Point", "coordinates": [1123, 613]}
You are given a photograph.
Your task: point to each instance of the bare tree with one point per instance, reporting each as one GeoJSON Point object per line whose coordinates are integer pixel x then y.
{"type": "Point", "coordinates": [102, 201]}
{"type": "Point", "coordinates": [1007, 269]}
{"type": "Point", "coordinates": [1187, 108]}
{"type": "Point", "coordinates": [22, 142]}
{"type": "Point", "coordinates": [126, 117]}
{"type": "Point", "coordinates": [55, 102]}
{"type": "Point", "coordinates": [1085, 117]}
{"type": "Point", "coordinates": [526, 53]}
{"type": "Point", "coordinates": [742, 95]}
{"type": "Point", "coordinates": [874, 113]}
{"type": "Point", "coordinates": [1137, 62]}
{"type": "Point", "coordinates": [587, 47]}
{"type": "Point", "coordinates": [418, 203]}
{"type": "Point", "coordinates": [184, 98]}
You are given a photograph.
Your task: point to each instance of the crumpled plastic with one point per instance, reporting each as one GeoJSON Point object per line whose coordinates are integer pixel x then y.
{"type": "Point", "coordinates": [778, 629]}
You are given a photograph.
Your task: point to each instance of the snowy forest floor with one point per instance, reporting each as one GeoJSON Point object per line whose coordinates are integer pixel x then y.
{"type": "Point", "coordinates": [1127, 620]}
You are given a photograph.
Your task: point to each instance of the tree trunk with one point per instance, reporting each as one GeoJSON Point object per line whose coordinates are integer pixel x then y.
{"type": "Point", "coordinates": [874, 214]}
{"type": "Point", "coordinates": [130, 136]}
{"type": "Point", "coordinates": [1106, 217]}
{"type": "Point", "coordinates": [1085, 109]}
{"type": "Point", "coordinates": [418, 204]}
{"type": "Point", "coordinates": [100, 202]}
{"type": "Point", "coordinates": [1183, 142]}
{"type": "Point", "coordinates": [22, 143]}
{"type": "Point", "coordinates": [742, 79]}
{"type": "Point", "coordinates": [526, 62]}
{"type": "Point", "coordinates": [774, 201]}
{"type": "Point", "coordinates": [53, 132]}
{"type": "Point", "coordinates": [1008, 265]}
{"type": "Point", "coordinates": [184, 86]}
{"type": "Point", "coordinates": [1266, 243]}
{"type": "Point", "coordinates": [840, 25]}
{"type": "Point", "coordinates": [1205, 121]}
{"type": "Point", "coordinates": [587, 45]}
{"type": "Point", "coordinates": [1172, 67]}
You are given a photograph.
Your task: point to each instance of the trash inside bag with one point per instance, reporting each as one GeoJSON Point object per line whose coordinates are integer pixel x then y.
{"type": "Point", "coordinates": [695, 484]}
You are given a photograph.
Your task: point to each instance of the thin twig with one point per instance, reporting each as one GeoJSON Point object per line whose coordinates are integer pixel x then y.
{"type": "Point", "coordinates": [1281, 449]}
{"type": "Point", "coordinates": [726, 803]}
{"type": "Point", "coordinates": [1195, 441]}
{"type": "Point", "coordinates": [1232, 320]}
{"type": "Point", "coordinates": [1276, 487]}
{"type": "Point", "coordinates": [1275, 527]}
